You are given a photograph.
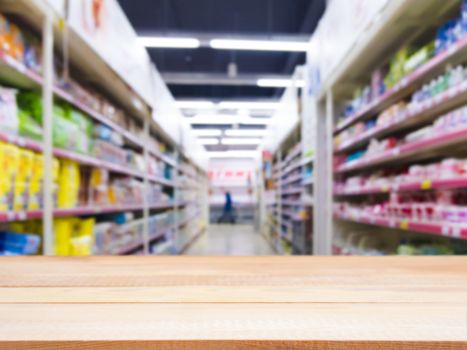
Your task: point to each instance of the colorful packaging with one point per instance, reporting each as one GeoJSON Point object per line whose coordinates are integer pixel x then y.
{"type": "Point", "coordinates": [21, 186]}
{"type": "Point", "coordinates": [68, 184]}
{"type": "Point", "coordinates": [8, 110]}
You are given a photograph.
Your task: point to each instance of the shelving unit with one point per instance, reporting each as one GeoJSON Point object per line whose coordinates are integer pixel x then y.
{"type": "Point", "coordinates": [289, 191]}
{"type": "Point", "coordinates": [169, 183]}
{"type": "Point", "coordinates": [390, 150]}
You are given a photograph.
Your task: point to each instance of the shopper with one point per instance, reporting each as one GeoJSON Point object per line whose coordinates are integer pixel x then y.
{"type": "Point", "coordinates": [228, 213]}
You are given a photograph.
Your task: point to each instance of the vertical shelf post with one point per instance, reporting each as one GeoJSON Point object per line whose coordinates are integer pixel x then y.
{"type": "Point", "coordinates": [146, 189]}
{"type": "Point", "coordinates": [322, 211]}
{"type": "Point", "coordinates": [176, 195]}
{"type": "Point", "coordinates": [47, 99]}
{"type": "Point", "coordinates": [279, 202]}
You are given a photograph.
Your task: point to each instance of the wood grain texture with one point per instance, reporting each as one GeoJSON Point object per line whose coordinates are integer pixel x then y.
{"type": "Point", "coordinates": [233, 303]}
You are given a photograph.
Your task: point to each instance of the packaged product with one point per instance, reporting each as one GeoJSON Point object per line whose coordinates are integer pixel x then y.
{"type": "Point", "coordinates": [102, 237]}
{"type": "Point", "coordinates": [396, 67]}
{"type": "Point", "coordinates": [8, 110]}
{"type": "Point", "coordinates": [21, 186]}
{"type": "Point", "coordinates": [4, 29]}
{"type": "Point", "coordinates": [31, 102]}
{"type": "Point", "coordinates": [65, 133]}
{"type": "Point", "coordinates": [36, 181]}
{"type": "Point", "coordinates": [99, 188]}
{"type": "Point", "coordinates": [13, 243]}
{"type": "Point", "coordinates": [82, 240]}
{"type": "Point", "coordinates": [9, 156]}
{"type": "Point", "coordinates": [419, 57]}
{"type": "Point", "coordinates": [68, 184]}
{"type": "Point", "coordinates": [28, 126]}
{"type": "Point", "coordinates": [63, 229]}
{"type": "Point", "coordinates": [15, 43]}
{"type": "Point", "coordinates": [32, 53]}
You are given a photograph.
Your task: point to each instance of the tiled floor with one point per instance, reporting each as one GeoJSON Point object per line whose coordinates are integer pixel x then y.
{"type": "Point", "coordinates": [230, 240]}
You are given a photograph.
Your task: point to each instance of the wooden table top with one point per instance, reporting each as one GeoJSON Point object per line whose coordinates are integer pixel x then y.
{"type": "Point", "coordinates": [233, 302]}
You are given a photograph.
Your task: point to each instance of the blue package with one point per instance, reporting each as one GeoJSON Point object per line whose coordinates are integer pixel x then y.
{"type": "Point", "coordinates": [12, 243]}
{"type": "Point", "coordinates": [445, 36]}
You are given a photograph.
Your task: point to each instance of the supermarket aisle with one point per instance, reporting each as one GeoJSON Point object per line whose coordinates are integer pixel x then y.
{"type": "Point", "coordinates": [230, 240]}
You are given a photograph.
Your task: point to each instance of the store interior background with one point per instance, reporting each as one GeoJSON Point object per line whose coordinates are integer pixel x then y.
{"type": "Point", "coordinates": [304, 128]}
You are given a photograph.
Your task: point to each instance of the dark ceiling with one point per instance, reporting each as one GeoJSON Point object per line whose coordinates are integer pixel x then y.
{"type": "Point", "coordinates": [231, 17]}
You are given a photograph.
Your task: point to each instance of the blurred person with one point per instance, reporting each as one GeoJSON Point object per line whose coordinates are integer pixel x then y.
{"type": "Point", "coordinates": [228, 213]}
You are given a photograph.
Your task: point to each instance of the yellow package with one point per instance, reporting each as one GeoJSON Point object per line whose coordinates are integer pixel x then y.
{"type": "Point", "coordinates": [81, 246]}
{"type": "Point", "coordinates": [9, 165]}
{"type": "Point", "coordinates": [21, 191]}
{"type": "Point", "coordinates": [64, 228]}
{"type": "Point", "coordinates": [35, 195]}
{"type": "Point", "coordinates": [83, 241]}
{"type": "Point", "coordinates": [37, 167]}
{"type": "Point", "coordinates": [68, 184]}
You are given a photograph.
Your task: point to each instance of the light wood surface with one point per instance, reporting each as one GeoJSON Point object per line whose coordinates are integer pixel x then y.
{"type": "Point", "coordinates": [233, 303]}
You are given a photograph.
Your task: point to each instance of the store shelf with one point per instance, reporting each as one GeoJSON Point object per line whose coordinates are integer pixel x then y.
{"type": "Point", "coordinates": [135, 140]}
{"type": "Point", "coordinates": [424, 112]}
{"type": "Point", "coordinates": [153, 237]}
{"type": "Point", "coordinates": [291, 179]}
{"type": "Point", "coordinates": [292, 167]}
{"type": "Point", "coordinates": [11, 216]}
{"type": "Point", "coordinates": [408, 84]}
{"type": "Point", "coordinates": [297, 202]}
{"type": "Point", "coordinates": [308, 181]}
{"type": "Point", "coordinates": [428, 184]}
{"type": "Point", "coordinates": [410, 151]}
{"type": "Point", "coordinates": [293, 154]}
{"type": "Point", "coordinates": [82, 158]}
{"type": "Point", "coordinates": [17, 73]}
{"type": "Point", "coordinates": [441, 229]}
{"type": "Point", "coordinates": [307, 160]}
{"type": "Point", "coordinates": [295, 190]}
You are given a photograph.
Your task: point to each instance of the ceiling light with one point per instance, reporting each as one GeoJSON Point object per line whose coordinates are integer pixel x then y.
{"type": "Point", "coordinates": [168, 42]}
{"type": "Point", "coordinates": [210, 141]}
{"type": "Point", "coordinates": [206, 132]}
{"type": "Point", "coordinates": [247, 105]}
{"type": "Point", "coordinates": [216, 119]}
{"type": "Point", "coordinates": [237, 141]}
{"type": "Point", "coordinates": [256, 121]}
{"type": "Point", "coordinates": [246, 132]}
{"type": "Point", "coordinates": [259, 45]}
{"type": "Point", "coordinates": [279, 83]}
{"type": "Point", "coordinates": [234, 154]}
{"type": "Point", "coordinates": [226, 119]}
{"type": "Point", "coordinates": [198, 104]}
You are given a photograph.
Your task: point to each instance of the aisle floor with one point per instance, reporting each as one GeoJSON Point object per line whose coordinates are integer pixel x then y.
{"type": "Point", "coordinates": [240, 240]}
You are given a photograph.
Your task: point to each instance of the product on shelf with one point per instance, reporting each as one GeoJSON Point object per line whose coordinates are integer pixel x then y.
{"type": "Point", "coordinates": [73, 236]}
{"type": "Point", "coordinates": [13, 243]}
{"type": "Point", "coordinates": [118, 233]}
{"type": "Point", "coordinates": [68, 184]}
{"type": "Point", "coordinates": [406, 60]}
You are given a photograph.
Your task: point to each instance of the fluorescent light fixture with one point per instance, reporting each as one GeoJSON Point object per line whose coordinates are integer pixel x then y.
{"type": "Point", "coordinates": [259, 45]}
{"type": "Point", "coordinates": [234, 154]}
{"type": "Point", "coordinates": [206, 132]}
{"type": "Point", "coordinates": [247, 105]}
{"type": "Point", "coordinates": [256, 121]}
{"type": "Point", "coordinates": [216, 119]}
{"type": "Point", "coordinates": [210, 141]}
{"type": "Point", "coordinates": [237, 141]}
{"type": "Point", "coordinates": [197, 104]}
{"type": "Point", "coordinates": [279, 83]}
{"type": "Point", "coordinates": [245, 132]}
{"type": "Point", "coordinates": [168, 42]}
{"type": "Point", "coordinates": [226, 119]}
